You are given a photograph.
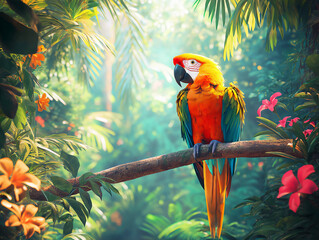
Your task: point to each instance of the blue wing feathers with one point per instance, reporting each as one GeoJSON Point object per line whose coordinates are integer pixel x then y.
{"type": "Point", "coordinates": [232, 118]}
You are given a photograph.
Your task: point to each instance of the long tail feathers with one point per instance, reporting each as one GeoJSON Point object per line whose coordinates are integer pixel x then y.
{"type": "Point", "coordinates": [216, 187]}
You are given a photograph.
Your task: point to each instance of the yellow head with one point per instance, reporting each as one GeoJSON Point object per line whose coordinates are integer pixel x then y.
{"type": "Point", "coordinates": [197, 70]}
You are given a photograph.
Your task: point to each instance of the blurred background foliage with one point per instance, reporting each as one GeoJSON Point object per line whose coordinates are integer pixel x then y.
{"type": "Point", "coordinates": [108, 74]}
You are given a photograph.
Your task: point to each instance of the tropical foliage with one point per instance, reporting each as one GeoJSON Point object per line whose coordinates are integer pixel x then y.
{"type": "Point", "coordinates": [40, 39]}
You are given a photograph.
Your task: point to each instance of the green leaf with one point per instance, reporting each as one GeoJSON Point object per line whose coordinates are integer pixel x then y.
{"type": "Point", "coordinates": [68, 227]}
{"type": "Point", "coordinates": [66, 216]}
{"type": "Point", "coordinates": [286, 165]}
{"type": "Point", "coordinates": [51, 209]}
{"type": "Point", "coordinates": [77, 236]}
{"type": "Point", "coordinates": [86, 199]}
{"type": "Point", "coordinates": [65, 204]}
{"type": "Point", "coordinates": [70, 163]}
{"type": "Point", "coordinates": [16, 37]}
{"type": "Point", "coordinates": [2, 138]}
{"type": "Point", "coordinates": [96, 188]}
{"type": "Point", "coordinates": [62, 184]}
{"type": "Point", "coordinates": [109, 187]}
{"type": "Point", "coordinates": [7, 66]}
{"type": "Point", "coordinates": [273, 127]}
{"type": "Point", "coordinates": [312, 62]}
{"type": "Point", "coordinates": [175, 211]}
{"type": "Point", "coordinates": [5, 124]}
{"type": "Point", "coordinates": [50, 196]}
{"type": "Point", "coordinates": [24, 11]}
{"type": "Point", "coordinates": [79, 209]}
{"type": "Point", "coordinates": [313, 144]}
{"type": "Point", "coordinates": [217, 12]}
{"type": "Point", "coordinates": [267, 132]}
{"type": "Point", "coordinates": [8, 102]}
{"type": "Point", "coordinates": [282, 105]}
{"type": "Point", "coordinates": [83, 179]}
{"type": "Point", "coordinates": [28, 84]}
{"type": "Point", "coordinates": [243, 204]}
{"type": "Point", "coordinates": [20, 118]}
{"type": "Point", "coordinates": [309, 104]}
{"type": "Point", "coordinates": [284, 155]}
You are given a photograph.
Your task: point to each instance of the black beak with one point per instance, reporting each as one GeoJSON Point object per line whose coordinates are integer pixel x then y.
{"type": "Point", "coordinates": [181, 75]}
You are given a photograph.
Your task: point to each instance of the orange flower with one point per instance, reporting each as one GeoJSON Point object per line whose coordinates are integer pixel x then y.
{"type": "Point", "coordinates": [116, 218]}
{"type": "Point", "coordinates": [250, 165]}
{"type": "Point", "coordinates": [43, 102]}
{"type": "Point", "coordinates": [24, 215]}
{"type": "Point", "coordinates": [260, 165]}
{"type": "Point", "coordinates": [19, 177]}
{"type": "Point", "coordinates": [37, 57]}
{"type": "Point", "coordinates": [36, 60]}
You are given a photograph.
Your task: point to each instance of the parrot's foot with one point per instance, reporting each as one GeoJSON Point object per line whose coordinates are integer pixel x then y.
{"type": "Point", "coordinates": [196, 150]}
{"type": "Point", "coordinates": [213, 145]}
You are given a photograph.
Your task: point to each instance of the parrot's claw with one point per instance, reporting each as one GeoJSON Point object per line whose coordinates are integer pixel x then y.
{"type": "Point", "coordinates": [196, 150]}
{"type": "Point", "coordinates": [213, 145]}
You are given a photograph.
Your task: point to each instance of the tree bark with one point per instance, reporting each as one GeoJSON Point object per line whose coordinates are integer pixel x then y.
{"type": "Point", "coordinates": [132, 170]}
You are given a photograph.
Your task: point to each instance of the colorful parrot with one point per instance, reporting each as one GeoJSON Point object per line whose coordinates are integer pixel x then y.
{"type": "Point", "coordinates": [209, 113]}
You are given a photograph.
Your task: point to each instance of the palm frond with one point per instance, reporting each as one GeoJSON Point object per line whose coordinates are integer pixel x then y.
{"type": "Point", "coordinates": [94, 131]}
{"type": "Point", "coordinates": [214, 8]}
{"type": "Point", "coordinates": [130, 62]}
{"type": "Point", "coordinates": [279, 16]}
{"type": "Point", "coordinates": [71, 23]}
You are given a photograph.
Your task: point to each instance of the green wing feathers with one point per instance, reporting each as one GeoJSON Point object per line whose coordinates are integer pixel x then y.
{"type": "Point", "coordinates": [185, 117]}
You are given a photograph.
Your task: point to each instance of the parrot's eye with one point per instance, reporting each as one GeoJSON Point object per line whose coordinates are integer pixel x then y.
{"type": "Point", "coordinates": [192, 65]}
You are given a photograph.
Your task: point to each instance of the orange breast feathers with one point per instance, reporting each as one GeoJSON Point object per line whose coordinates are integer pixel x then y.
{"type": "Point", "coordinates": [205, 107]}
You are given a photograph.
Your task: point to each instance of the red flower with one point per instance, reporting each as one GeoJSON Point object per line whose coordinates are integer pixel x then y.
{"type": "Point", "coordinates": [260, 165]}
{"type": "Point", "coordinates": [296, 187]}
{"type": "Point", "coordinates": [250, 165]}
{"type": "Point", "coordinates": [282, 123]}
{"type": "Point", "coordinates": [40, 120]}
{"type": "Point", "coordinates": [269, 104]}
{"type": "Point", "coordinates": [294, 120]}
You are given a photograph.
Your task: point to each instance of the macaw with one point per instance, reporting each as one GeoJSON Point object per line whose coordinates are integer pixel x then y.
{"type": "Point", "coordinates": [209, 113]}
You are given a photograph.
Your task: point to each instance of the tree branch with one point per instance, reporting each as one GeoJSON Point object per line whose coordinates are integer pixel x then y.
{"type": "Point", "coordinates": [132, 170]}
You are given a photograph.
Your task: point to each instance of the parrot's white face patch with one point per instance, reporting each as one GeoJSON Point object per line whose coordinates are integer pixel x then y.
{"type": "Point", "coordinates": [192, 67]}
{"type": "Point", "coordinates": [192, 74]}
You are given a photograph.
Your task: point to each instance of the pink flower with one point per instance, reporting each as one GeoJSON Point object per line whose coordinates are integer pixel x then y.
{"type": "Point", "coordinates": [282, 123]}
{"type": "Point", "coordinates": [269, 104]}
{"type": "Point", "coordinates": [297, 187]}
{"type": "Point", "coordinates": [311, 123]}
{"type": "Point", "coordinates": [294, 120]}
{"type": "Point", "coordinates": [307, 132]}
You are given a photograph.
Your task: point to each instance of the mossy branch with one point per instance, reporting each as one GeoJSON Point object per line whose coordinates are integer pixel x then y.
{"type": "Point", "coordinates": [132, 170]}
